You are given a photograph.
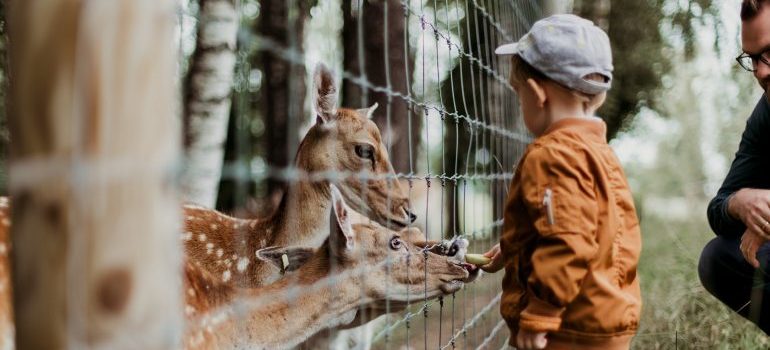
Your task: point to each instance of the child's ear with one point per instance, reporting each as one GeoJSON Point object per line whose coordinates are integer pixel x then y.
{"type": "Point", "coordinates": [539, 91]}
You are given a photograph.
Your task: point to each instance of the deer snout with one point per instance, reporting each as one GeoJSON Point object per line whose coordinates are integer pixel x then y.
{"type": "Point", "coordinates": [410, 216]}
{"type": "Point", "coordinates": [458, 248]}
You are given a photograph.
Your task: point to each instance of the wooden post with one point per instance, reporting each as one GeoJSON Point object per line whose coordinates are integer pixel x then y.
{"type": "Point", "coordinates": [96, 255]}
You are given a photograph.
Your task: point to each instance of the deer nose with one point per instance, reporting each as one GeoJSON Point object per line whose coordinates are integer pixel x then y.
{"type": "Point", "coordinates": [458, 247]}
{"type": "Point", "coordinates": [453, 249]}
{"type": "Point", "coordinates": [411, 216]}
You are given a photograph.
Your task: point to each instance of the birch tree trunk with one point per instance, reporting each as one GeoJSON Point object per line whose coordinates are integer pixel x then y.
{"type": "Point", "coordinates": [96, 258]}
{"type": "Point", "coordinates": [207, 100]}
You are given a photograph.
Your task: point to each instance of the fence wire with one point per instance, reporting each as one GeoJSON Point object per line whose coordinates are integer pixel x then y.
{"type": "Point", "coordinates": [459, 101]}
{"type": "Point", "coordinates": [470, 139]}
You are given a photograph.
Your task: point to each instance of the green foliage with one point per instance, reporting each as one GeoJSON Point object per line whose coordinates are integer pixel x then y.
{"type": "Point", "coordinates": [691, 139]}
{"type": "Point", "coordinates": [677, 313]}
{"type": "Point", "coordinates": [690, 17]}
{"type": "Point", "coordinates": [642, 55]}
{"type": "Point", "coordinates": [639, 57]}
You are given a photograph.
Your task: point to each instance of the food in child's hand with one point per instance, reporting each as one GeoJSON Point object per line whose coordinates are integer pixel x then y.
{"type": "Point", "coordinates": [477, 259]}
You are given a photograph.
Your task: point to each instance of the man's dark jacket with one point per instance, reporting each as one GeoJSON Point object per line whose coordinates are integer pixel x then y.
{"type": "Point", "coordinates": [750, 169]}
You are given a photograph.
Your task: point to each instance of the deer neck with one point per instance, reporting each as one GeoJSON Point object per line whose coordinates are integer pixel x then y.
{"type": "Point", "coordinates": [302, 217]}
{"type": "Point", "coordinates": [300, 317]}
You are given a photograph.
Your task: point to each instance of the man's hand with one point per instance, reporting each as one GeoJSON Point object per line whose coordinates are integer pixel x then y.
{"type": "Point", "coordinates": [497, 262]}
{"type": "Point", "coordinates": [752, 206]}
{"type": "Point", "coordinates": [750, 243]}
{"type": "Point", "coordinates": [526, 340]}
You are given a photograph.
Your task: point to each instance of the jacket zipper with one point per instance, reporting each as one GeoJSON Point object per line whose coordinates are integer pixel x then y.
{"type": "Point", "coordinates": [548, 204]}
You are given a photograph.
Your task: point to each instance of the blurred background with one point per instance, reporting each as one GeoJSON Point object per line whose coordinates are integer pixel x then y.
{"type": "Point", "coordinates": [675, 114]}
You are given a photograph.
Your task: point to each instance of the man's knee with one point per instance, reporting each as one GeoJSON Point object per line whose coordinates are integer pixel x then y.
{"type": "Point", "coordinates": [713, 258]}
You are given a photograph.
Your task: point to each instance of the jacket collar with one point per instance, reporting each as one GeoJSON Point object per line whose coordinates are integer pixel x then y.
{"type": "Point", "coordinates": [592, 127]}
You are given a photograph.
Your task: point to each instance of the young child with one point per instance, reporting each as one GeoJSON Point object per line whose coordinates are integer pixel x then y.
{"type": "Point", "coordinates": [571, 240]}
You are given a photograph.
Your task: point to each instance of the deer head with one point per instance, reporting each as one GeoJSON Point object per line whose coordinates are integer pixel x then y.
{"type": "Point", "coordinates": [347, 141]}
{"type": "Point", "coordinates": [397, 260]}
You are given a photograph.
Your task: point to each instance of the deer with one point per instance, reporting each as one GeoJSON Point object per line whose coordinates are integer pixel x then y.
{"type": "Point", "coordinates": [368, 262]}
{"type": "Point", "coordinates": [360, 264]}
{"type": "Point", "coordinates": [342, 140]}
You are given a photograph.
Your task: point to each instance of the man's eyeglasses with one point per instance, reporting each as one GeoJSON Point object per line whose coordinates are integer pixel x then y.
{"type": "Point", "coordinates": [750, 62]}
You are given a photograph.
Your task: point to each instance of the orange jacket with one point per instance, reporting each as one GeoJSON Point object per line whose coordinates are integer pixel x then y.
{"type": "Point", "coordinates": [571, 241]}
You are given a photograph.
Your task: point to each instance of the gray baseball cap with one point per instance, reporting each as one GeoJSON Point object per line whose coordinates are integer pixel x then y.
{"type": "Point", "coordinates": [566, 48]}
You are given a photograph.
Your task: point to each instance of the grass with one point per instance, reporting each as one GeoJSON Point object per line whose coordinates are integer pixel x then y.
{"type": "Point", "coordinates": [677, 312]}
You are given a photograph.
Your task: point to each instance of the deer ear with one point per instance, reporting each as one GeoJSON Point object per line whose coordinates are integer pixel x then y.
{"type": "Point", "coordinates": [286, 258]}
{"type": "Point", "coordinates": [368, 112]}
{"type": "Point", "coordinates": [325, 94]}
{"type": "Point", "coordinates": [341, 226]}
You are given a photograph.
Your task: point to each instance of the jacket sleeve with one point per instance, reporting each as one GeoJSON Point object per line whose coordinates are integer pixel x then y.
{"type": "Point", "coordinates": [558, 178]}
{"type": "Point", "coordinates": [746, 171]}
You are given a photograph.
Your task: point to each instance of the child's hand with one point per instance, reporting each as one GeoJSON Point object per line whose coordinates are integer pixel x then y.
{"type": "Point", "coordinates": [497, 259]}
{"type": "Point", "coordinates": [527, 340]}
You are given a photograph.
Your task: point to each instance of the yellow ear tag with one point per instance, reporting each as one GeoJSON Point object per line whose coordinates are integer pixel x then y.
{"type": "Point", "coordinates": [285, 261]}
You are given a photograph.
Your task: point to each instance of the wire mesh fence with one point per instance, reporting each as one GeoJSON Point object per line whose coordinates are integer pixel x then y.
{"type": "Point", "coordinates": [448, 119]}
{"type": "Point", "coordinates": [449, 123]}
{"type": "Point", "coordinates": [460, 140]}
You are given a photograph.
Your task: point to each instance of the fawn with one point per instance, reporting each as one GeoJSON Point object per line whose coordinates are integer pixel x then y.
{"type": "Point", "coordinates": [360, 264]}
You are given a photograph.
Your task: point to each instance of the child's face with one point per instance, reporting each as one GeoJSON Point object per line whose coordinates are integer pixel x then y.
{"type": "Point", "coordinates": [531, 108]}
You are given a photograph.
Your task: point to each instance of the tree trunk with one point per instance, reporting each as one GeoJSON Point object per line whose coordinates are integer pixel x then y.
{"type": "Point", "coordinates": [638, 56]}
{"type": "Point", "coordinates": [552, 7]}
{"type": "Point", "coordinates": [96, 259]}
{"type": "Point", "coordinates": [596, 11]}
{"type": "Point", "coordinates": [394, 115]}
{"type": "Point", "coordinates": [4, 139]}
{"type": "Point", "coordinates": [463, 97]}
{"type": "Point", "coordinates": [283, 83]}
{"type": "Point", "coordinates": [207, 100]}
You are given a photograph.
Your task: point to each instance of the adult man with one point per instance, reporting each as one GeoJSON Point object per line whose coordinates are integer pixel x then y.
{"type": "Point", "coordinates": [734, 266]}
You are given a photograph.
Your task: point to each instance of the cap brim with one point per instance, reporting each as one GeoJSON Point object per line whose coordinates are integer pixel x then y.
{"type": "Point", "coordinates": [507, 49]}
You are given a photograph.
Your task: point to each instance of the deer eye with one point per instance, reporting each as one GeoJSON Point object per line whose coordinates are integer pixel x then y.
{"type": "Point", "coordinates": [395, 243]}
{"type": "Point", "coordinates": [365, 151]}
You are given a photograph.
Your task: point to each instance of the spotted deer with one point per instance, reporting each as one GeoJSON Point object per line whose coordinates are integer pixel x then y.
{"type": "Point", "coordinates": [391, 265]}
{"type": "Point", "coordinates": [342, 141]}
{"type": "Point", "coordinates": [360, 264]}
